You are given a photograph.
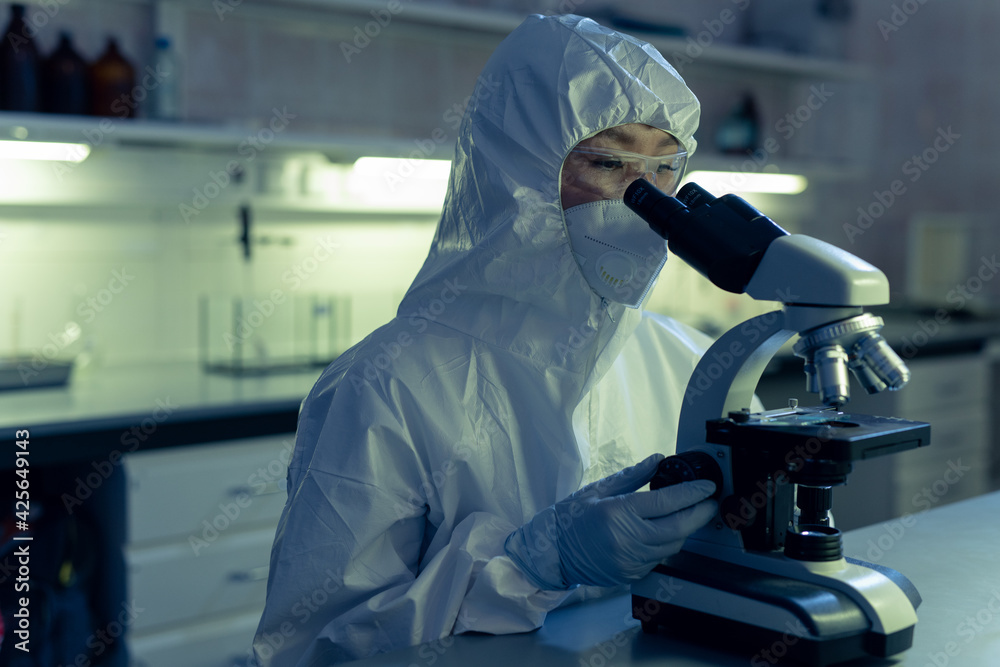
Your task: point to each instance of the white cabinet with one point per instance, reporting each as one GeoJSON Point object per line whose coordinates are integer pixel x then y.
{"type": "Point", "coordinates": [951, 393]}
{"type": "Point", "coordinates": [219, 642]}
{"type": "Point", "coordinates": [201, 520]}
{"type": "Point", "coordinates": [188, 491]}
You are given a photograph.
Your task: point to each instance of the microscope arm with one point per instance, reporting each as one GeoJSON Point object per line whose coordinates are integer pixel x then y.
{"type": "Point", "coordinates": [726, 377]}
{"type": "Point", "coordinates": [795, 269]}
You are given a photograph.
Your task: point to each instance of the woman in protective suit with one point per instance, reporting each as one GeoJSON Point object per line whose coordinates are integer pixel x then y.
{"type": "Point", "coordinates": [471, 465]}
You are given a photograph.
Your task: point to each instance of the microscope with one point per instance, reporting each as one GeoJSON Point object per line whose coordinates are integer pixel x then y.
{"type": "Point", "coordinates": [768, 574]}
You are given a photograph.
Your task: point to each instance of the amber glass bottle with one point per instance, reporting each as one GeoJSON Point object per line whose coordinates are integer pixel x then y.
{"type": "Point", "coordinates": [18, 65]}
{"type": "Point", "coordinates": [64, 80]}
{"type": "Point", "coordinates": [112, 84]}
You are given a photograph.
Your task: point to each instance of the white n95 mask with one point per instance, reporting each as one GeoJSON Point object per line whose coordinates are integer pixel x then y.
{"type": "Point", "coordinates": [619, 253]}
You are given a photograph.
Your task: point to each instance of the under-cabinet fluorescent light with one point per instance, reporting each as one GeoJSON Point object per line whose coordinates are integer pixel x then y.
{"type": "Point", "coordinates": [43, 150]}
{"type": "Point", "coordinates": [391, 169]}
{"type": "Point", "coordinates": [400, 182]}
{"type": "Point", "coordinates": [722, 182]}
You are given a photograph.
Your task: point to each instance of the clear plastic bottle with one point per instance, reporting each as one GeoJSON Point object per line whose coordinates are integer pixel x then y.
{"type": "Point", "coordinates": [164, 99]}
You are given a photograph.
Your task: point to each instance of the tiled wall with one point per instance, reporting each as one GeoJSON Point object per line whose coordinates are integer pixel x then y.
{"type": "Point", "coordinates": [128, 291]}
{"type": "Point", "coordinates": [933, 65]}
{"type": "Point", "coordinates": [930, 74]}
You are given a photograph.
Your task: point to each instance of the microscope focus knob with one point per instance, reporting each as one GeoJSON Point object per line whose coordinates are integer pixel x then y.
{"type": "Point", "coordinates": [687, 467]}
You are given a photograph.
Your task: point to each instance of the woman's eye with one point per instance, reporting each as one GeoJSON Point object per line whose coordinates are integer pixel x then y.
{"type": "Point", "coordinates": [608, 164]}
{"type": "Point", "coordinates": [665, 167]}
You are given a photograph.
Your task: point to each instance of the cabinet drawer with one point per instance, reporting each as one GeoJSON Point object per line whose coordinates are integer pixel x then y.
{"type": "Point", "coordinates": [171, 583]}
{"type": "Point", "coordinates": [180, 491]}
{"type": "Point", "coordinates": [960, 474]}
{"type": "Point", "coordinates": [951, 432]}
{"type": "Point", "coordinates": [951, 380]}
{"type": "Point", "coordinates": [221, 642]}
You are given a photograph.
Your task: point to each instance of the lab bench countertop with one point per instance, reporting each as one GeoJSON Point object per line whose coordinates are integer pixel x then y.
{"type": "Point", "coordinates": [152, 405]}
{"type": "Point", "coordinates": [949, 553]}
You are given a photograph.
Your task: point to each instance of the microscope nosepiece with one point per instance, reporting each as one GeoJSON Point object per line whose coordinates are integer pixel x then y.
{"type": "Point", "coordinates": [874, 355]}
{"type": "Point", "coordinates": [868, 378]}
{"type": "Point", "coordinates": [871, 359]}
{"type": "Point", "coordinates": [830, 363]}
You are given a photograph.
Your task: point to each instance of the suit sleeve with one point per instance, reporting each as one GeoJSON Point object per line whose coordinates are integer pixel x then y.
{"type": "Point", "coordinates": [358, 568]}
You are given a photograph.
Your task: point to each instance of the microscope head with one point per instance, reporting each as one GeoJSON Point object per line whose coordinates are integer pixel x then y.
{"type": "Point", "coordinates": [830, 278]}
{"type": "Point", "coordinates": [774, 471]}
{"type": "Point", "coordinates": [823, 288]}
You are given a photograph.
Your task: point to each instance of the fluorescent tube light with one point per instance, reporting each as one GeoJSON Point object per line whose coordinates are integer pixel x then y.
{"type": "Point", "coordinates": [43, 150]}
{"type": "Point", "coordinates": [391, 169]}
{"type": "Point", "coordinates": [723, 182]}
{"type": "Point", "coordinates": [400, 182]}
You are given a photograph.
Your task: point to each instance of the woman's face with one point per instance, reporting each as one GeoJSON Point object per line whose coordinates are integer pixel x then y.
{"type": "Point", "coordinates": [588, 177]}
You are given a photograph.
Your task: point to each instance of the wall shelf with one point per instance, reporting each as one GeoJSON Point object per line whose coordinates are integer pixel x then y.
{"type": "Point", "coordinates": [186, 172]}
{"type": "Point", "coordinates": [433, 20]}
{"type": "Point", "coordinates": [499, 23]}
{"type": "Point", "coordinates": [162, 163]}
{"type": "Point", "coordinates": [149, 134]}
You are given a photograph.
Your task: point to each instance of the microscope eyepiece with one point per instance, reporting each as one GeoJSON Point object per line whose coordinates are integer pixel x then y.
{"type": "Point", "coordinates": [653, 205]}
{"type": "Point", "coordinates": [693, 195]}
{"type": "Point", "coordinates": [723, 238]}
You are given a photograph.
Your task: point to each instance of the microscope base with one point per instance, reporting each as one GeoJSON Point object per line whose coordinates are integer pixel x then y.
{"type": "Point", "coordinates": [769, 616]}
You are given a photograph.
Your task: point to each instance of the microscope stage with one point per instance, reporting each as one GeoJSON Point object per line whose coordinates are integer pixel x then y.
{"type": "Point", "coordinates": [838, 436]}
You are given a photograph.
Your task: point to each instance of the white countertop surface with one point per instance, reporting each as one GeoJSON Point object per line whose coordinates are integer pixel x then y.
{"type": "Point", "coordinates": [97, 397]}
{"type": "Point", "coordinates": [949, 553]}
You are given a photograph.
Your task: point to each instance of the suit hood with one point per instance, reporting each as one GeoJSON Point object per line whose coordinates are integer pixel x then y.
{"type": "Point", "coordinates": [500, 267]}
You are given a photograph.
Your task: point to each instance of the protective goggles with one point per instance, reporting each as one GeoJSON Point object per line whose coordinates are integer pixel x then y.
{"type": "Point", "coordinates": [610, 169]}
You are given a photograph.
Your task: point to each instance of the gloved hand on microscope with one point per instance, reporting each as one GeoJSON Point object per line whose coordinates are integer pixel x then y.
{"type": "Point", "coordinates": [606, 535]}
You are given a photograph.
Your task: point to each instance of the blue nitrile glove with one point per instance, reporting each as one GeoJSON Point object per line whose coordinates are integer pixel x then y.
{"type": "Point", "coordinates": [605, 535]}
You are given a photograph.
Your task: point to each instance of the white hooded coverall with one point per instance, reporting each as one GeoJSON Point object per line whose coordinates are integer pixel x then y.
{"type": "Point", "coordinates": [503, 384]}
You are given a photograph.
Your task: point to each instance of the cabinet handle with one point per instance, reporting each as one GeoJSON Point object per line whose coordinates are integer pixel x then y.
{"type": "Point", "coordinates": [251, 575]}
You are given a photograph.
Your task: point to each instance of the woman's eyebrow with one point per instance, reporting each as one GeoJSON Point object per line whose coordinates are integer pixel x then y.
{"type": "Point", "coordinates": [617, 134]}
{"type": "Point", "coordinates": [668, 141]}
{"type": "Point", "coordinates": [622, 135]}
